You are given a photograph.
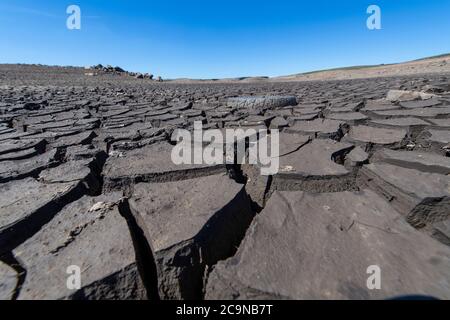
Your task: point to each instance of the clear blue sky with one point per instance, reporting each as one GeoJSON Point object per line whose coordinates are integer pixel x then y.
{"type": "Point", "coordinates": [222, 38]}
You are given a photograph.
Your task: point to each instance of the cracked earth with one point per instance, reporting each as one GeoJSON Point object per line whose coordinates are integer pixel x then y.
{"type": "Point", "coordinates": [86, 179]}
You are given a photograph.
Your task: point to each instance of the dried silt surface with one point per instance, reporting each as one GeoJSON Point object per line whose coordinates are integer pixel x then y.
{"type": "Point", "coordinates": [87, 183]}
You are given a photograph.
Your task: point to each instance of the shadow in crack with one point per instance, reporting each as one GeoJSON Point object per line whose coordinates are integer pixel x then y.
{"type": "Point", "coordinates": [144, 254]}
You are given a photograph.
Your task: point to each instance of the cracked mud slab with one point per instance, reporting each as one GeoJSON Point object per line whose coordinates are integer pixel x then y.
{"type": "Point", "coordinates": [258, 185]}
{"type": "Point", "coordinates": [8, 281]}
{"type": "Point", "coordinates": [349, 117]}
{"type": "Point", "coordinates": [441, 231]}
{"type": "Point", "coordinates": [356, 157]}
{"type": "Point", "coordinates": [190, 224]}
{"type": "Point", "coordinates": [380, 136]}
{"type": "Point", "coordinates": [291, 142]}
{"type": "Point", "coordinates": [431, 112]}
{"type": "Point", "coordinates": [27, 204]}
{"type": "Point", "coordinates": [319, 246]}
{"type": "Point", "coordinates": [422, 161]}
{"type": "Point", "coordinates": [421, 197]}
{"type": "Point", "coordinates": [400, 122]}
{"type": "Point", "coordinates": [151, 163]}
{"type": "Point", "coordinates": [444, 123]}
{"type": "Point", "coordinates": [321, 128]}
{"type": "Point", "coordinates": [19, 169]}
{"type": "Point", "coordinates": [420, 104]}
{"type": "Point", "coordinates": [439, 136]}
{"type": "Point", "coordinates": [313, 167]}
{"type": "Point", "coordinates": [15, 145]}
{"type": "Point", "coordinates": [89, 233]}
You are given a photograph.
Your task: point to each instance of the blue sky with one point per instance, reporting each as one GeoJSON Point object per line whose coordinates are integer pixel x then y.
{"type": "Point", "coordinates": [222, 38]}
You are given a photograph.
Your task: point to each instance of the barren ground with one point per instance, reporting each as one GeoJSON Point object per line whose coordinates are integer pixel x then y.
{"type": "Point", "coordinates": [86, 179]}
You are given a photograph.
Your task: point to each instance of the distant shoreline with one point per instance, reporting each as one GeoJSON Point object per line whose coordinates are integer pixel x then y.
{"type": "Point", "coordinates": [427, 65]}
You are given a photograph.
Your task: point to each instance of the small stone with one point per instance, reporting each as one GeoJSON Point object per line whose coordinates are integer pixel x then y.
{"type": "Point", "coordinates": [403, 95]}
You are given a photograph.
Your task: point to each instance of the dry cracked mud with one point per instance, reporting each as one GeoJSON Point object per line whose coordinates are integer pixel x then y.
{"type": "Point", "coordinates": [87, 180]}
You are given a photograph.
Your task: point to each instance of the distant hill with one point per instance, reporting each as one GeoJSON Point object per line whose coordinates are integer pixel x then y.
{"type": "Point", "coordinates": [428, 65]}
{"type": "Point", "coordinates": [434, 64]}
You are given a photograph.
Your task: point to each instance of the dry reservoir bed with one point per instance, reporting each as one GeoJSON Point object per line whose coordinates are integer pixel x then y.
{"type": "Point", "coordinates": [86, 179]}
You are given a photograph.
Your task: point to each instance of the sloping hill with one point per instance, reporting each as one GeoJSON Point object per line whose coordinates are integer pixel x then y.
{"type": "Point", "coordinates": [435, 64]}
